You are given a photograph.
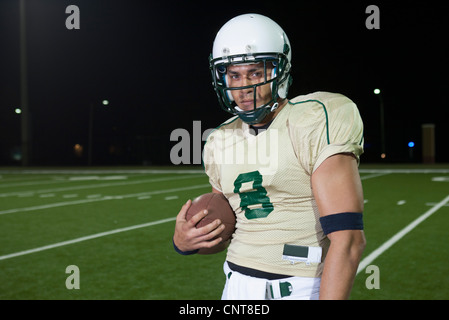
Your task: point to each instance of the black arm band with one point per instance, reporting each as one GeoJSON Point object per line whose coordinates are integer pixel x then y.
{"type": "Point", "coordinates": [184, 253]}
{"type": "Point", "coordinates": [342, 221]}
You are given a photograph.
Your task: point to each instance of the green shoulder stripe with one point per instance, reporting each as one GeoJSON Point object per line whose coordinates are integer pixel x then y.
{"type": "Point", "coordinates": [325, 113]}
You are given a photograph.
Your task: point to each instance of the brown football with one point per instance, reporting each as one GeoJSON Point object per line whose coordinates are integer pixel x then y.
{"type": "Point", "coordinates": [218, 208]}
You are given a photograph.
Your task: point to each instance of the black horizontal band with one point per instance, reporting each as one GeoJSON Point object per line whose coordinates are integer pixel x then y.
{"type": "Point", "coordinates": [256, 273]}
{"type": "Point", "coordinates": [342, 221]}
{"type": "Point", "coordinates": [184, 253]}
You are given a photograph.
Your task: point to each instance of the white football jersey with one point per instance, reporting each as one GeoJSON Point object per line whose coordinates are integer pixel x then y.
{"type": "Point", "coordinates": [266, 178]}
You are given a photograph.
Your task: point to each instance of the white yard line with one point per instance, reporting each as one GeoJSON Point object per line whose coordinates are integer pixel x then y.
{"type": "Point", "coordinates": [92, 236]}
{"type": "Point", "coordinates": [386, 170]}
{"type": "Point", "coordinates": [99, 171]}
{"type": "Point", "coordinates": [74, 202]}
{"type": "Point", "coordinates": [398, 236]}
{"type": "Point", "coordinates": [101, 234]}
{"type": "Point", "coordinates": [99, 185]}
{"type": "Point", "coordinates": [431, 204]}
{"type": "Point", "coordinates": [374, 175]}
{"type": "Point", "coordinates": [30, 183]}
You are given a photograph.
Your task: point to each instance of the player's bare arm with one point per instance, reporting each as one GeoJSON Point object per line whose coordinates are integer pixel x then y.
{"type": "Point", "coordinates": [337, 188]}
{"type": "Point", "coordinates": [188, 238]}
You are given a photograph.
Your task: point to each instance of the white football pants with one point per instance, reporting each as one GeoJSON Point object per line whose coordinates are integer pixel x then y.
{"type": "Point", "coordinates": [242, 287]}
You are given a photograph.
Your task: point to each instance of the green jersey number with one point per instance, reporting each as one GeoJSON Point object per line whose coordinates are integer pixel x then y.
{"type": "Point", "coordinates": [251, 198]}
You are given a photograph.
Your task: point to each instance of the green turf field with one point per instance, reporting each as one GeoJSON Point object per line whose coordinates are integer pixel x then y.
{"type": "Point", "coordinates": [116, 226]}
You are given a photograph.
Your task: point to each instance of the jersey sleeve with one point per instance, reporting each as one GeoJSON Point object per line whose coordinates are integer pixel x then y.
{"type": "Point", "coordinates": [344, 131]}
{"type": "Point", "coordinates": [323, 126]}
{"type": "Point", "coordinates": [210, 164]}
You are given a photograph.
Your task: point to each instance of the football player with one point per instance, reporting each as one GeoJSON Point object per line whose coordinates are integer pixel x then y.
{"type": "Point", "coordinates": [289, 169]}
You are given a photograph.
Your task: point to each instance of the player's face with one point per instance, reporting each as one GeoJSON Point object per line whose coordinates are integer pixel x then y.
{"type": "Point", "coordinates": [246, 75]}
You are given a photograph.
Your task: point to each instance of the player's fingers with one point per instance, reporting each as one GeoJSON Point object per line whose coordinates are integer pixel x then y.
{"type": "Point", "coordinates": [197, 217]}
{"type": "Point", "coordinates": [209, 227]}
{"type": "Point", "coordinates": [212, 234]}
{"type": "Point", "coordinates": [213, 243]}
{"type": "Point", "coordinates": [182, 213]}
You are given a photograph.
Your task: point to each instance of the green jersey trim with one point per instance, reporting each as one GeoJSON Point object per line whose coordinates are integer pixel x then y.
{"type": "Point", "coordinates": [325, 113]}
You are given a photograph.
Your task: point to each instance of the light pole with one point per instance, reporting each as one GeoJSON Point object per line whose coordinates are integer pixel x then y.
{"type": "Point", "coordinates": [383, 154]}
{"type": "Point", "coordinates": [25, 112]}
{"type": "Point", "coordinates": [91, 130]}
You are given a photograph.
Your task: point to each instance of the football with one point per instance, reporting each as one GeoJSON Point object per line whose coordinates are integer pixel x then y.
{"type": "Point", "coordinates": [218, 208]}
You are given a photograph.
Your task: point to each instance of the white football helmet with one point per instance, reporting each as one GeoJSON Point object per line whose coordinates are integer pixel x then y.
{"type": "Point", "coordinates": [247, 39]}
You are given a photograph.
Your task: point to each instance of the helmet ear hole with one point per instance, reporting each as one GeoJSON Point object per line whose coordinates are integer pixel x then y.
{"type": "Point", "coordinates": [283, 88]}
{"type": "Point", "coordinates": [282, 92]}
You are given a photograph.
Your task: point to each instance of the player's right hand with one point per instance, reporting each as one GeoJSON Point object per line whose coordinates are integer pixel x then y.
{"type": "Point", "coordinates": [188, 238]}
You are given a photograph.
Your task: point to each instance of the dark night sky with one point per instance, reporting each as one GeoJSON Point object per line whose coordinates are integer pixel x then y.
{"type": "Point", "coordinates": [150, 60]}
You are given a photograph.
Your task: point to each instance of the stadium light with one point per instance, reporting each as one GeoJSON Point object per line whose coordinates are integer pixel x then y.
{"type": "Point", "coordinates": [18, 110]}
{"type": "Point", "coordinates": [104, 102]}
{"type": "Point", "coordinates": [411, 145]}
{"type": "Point", "coordinates": [383, 154]}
